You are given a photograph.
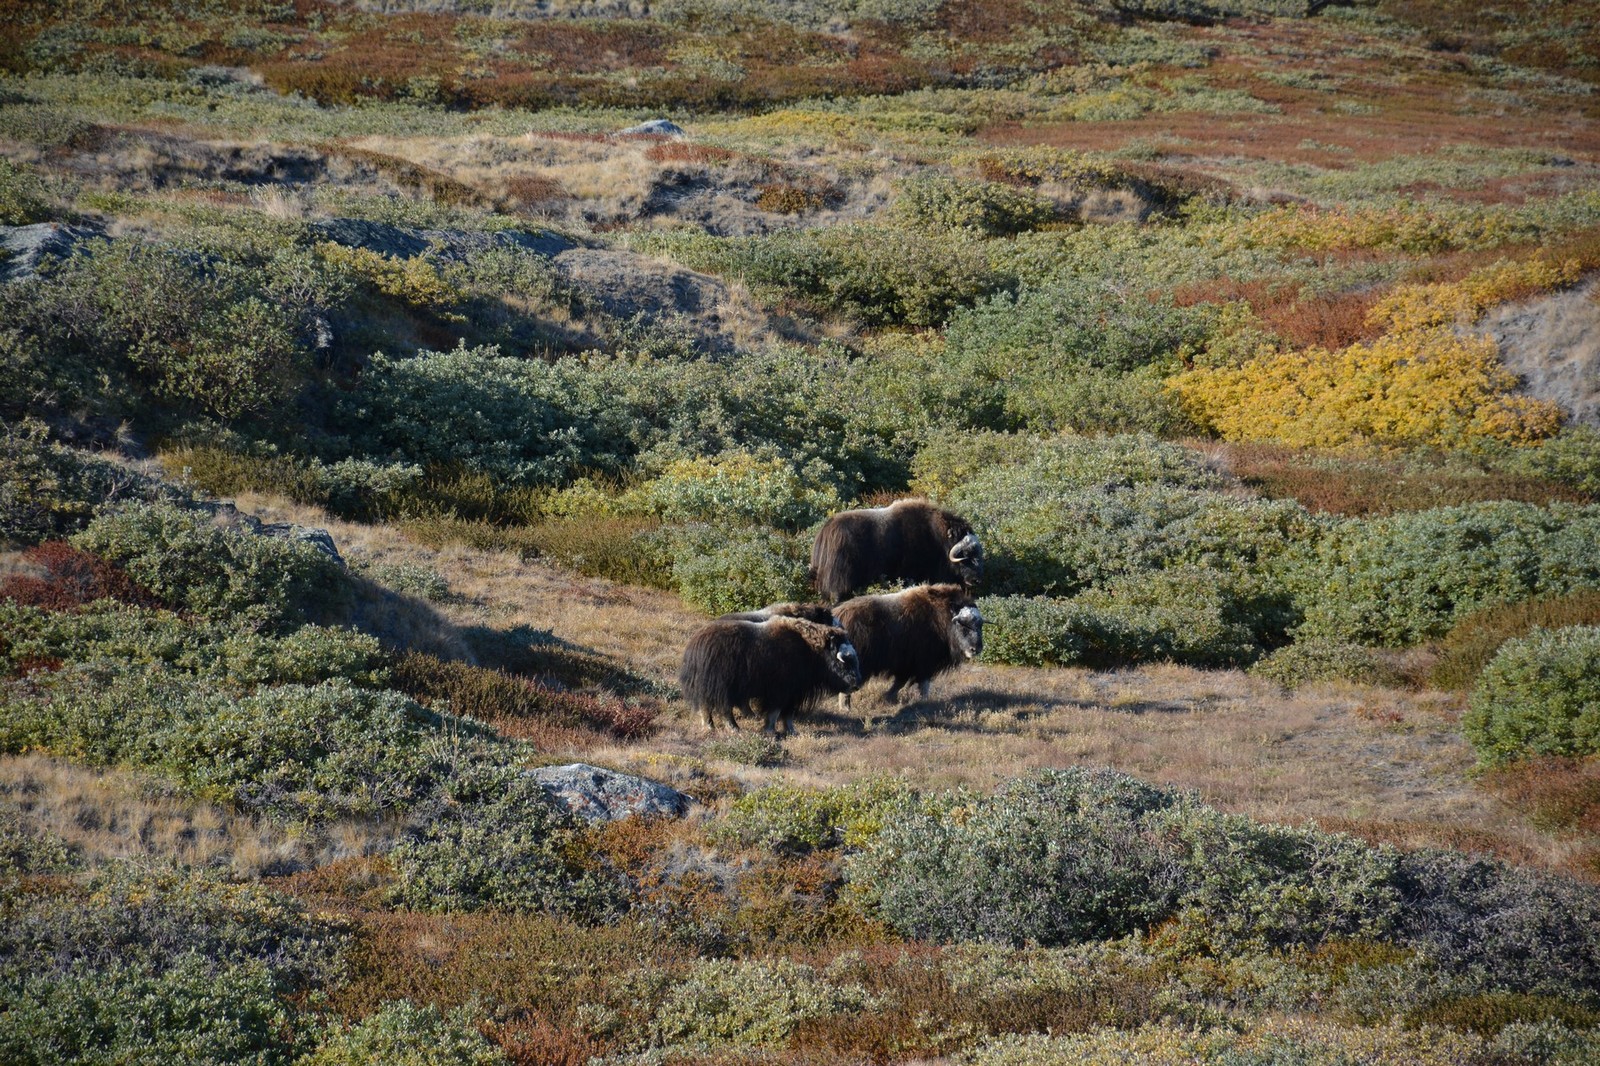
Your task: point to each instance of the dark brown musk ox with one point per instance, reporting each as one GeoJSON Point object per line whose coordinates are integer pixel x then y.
{"type": "Point", "coordinates": [909, 540]}
{"type": "Point", "coordinates": [912, 635]}
{"type": "Point", "coordinates": [819, 613]}
{"type": "Point", "coordinates": [780, 663]}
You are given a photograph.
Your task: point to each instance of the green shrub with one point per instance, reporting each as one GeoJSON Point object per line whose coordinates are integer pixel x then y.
{"type": "Point", "coordinates": [1311, 660]}
{"type": "Point", "coordinates": [721, 570]}
{"type": "Point", "coordinates": [201, 337]}
{"type": "Point", "coordinates": [880, 275]}
{"type": "Point", "coordinates": [1054, 858]}
{"type": "Point", "coordinates": [1571, 458]}
{"type": "Point", "coordinates": [1070, 323]}
{"type": "Point", "coordinates": [1473, 641]}
{"type": "Point", "coordinates": [1069, 855]}
{"type": "Point", "coordinates": [404, 1034]}
{"type": "Point", "coordinates": [25, 851]}
{"type": "Point", "coordinates": [940, 204]}
{"type": "Point", "coordinates": [355, 489]}
{"type": "Point", "coordinates": [117, 633]}
{"type": "Point", "coordinates": [141, 965]}
{"type": "Point", "coordinates": [1043, 539]}
{"type": "Point", "coordinates": [1539, 695]}
{"type": "Point", "coordinates": [738, 488]}
{"type": "Point", "coordinates": [215, 573]}
{"type": "Point", "coordinates": [746, 1005]}
{"type": "Point", "coordinates": [518, 419]}
{"type": "Point", "coordinates": [1502, 927]}
{"type": "Point", "coordinates": [47, 490]}
{"type": "Point", "coordinates": [493, 838]}
{"type": "Point", "coordinates": [1402, 578]}
{"type": "Point", "coordinates": [24, 199]}
{"type": "Point", "coordinates": [788, 818]}
{"type": "Point", "coordinates": [1031, 631]}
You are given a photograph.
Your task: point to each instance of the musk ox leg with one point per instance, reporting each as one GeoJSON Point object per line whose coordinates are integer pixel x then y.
{"type": "Point", "coordinates": [844, 701]}
{"type": "Point", "coordinates": [733, 721]}
{"type": "Point", "coordinates": [925, 686]}
{"type": "Point", "coordinates": [893, 695]}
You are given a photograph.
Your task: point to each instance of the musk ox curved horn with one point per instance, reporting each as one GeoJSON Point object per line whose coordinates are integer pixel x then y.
{"type": "Point", "coordinates": [968, 614]}
{"type": "Point", "coordinates": [965, 548]}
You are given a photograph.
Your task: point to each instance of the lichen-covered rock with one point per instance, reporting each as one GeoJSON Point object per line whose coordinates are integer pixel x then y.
{"type": "Point", "coordinates": [24, 246]}
{"type": "Point", "coordinates": [658, 126]}
{"type": "Point", "coordinates": [405, 242]}
{"type": "Point", "coordinates": [598, 795]}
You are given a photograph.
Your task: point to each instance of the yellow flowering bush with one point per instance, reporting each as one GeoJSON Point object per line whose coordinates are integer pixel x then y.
{"type": "Point", "coordinates": [414, 280]}
{"type": "Point", "coordinates": [1420, 384]}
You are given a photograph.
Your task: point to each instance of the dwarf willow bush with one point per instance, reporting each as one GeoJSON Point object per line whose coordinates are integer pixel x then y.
{"type": "Point", "coordinates": [1402, 578]}
{"type": "Point", "coordinates": [940, 204]}
{"type": "Point", "coordinates": [738, 488]}
{"type": "Point", "coordinates": [402, 1034]}
{"type": "Point", "coordinates": [721, 570]}
{"type": "Point", "coordinates": [1539, 695]}
{"type": "Point", "coordinates": [159, 965]}
{"type": "Point", "coordinates": [114, 632]}
{"type": "Point", "coordinates": [213, 572]}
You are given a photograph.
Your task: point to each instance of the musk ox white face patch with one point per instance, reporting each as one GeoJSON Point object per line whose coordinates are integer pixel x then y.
{"type": "Point", "coordinates": [969, 631]}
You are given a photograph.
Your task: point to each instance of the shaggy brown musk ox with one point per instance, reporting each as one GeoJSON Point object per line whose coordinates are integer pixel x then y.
{"type": "Point", "coordinates": [780, 663]}
{"type": "Point", "coordinates": [912, 635]}
{"type": "Point", "coordinates": [909, 540]}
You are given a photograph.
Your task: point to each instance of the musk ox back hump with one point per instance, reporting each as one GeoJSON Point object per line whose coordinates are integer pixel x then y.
{"type": "Point", "coordinates": [909, 540]}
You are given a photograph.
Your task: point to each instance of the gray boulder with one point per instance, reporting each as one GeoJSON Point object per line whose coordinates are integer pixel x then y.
{"type": "Point", "coordinates": [406, 242]}
{"type": "Point", "coordinates": [597, 795]}
{"type": "Point", "coordinates": [24, 246]}
{"type": "Point", "coordinates": [657, 126]}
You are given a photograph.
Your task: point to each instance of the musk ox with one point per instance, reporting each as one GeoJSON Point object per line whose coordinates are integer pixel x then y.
{"type": "Point", "coordinates": [912, 635]}
{"type": "Point", "coordinates": [819, 613]}
{"type": "Point", "coordinates": [911, 540]}
{"type": "Point", "coordinates": [779, 663]}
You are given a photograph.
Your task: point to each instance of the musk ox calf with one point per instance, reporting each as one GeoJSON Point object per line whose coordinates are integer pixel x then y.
{"type": "Point", "coordinates": [909, 540]}
{"type": "Point", "coordinates": [819, 613]}
{"type": "Point", "coordinates": [779, 663]}
{"type": "Point", "coordinates": [912, 635]}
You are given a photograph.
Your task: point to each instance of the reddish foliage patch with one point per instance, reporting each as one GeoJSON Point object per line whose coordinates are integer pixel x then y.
{"type": "Point", "coordinates": [696, 154]}
{"type": "Point", "coordinates": [532, 191]}
{"type": "Point", "coordinates": [1557, 793]}
{"type": "Point", "coordinates": [523, 708]}
{"type": "Point", "coordinates": [67, 578]}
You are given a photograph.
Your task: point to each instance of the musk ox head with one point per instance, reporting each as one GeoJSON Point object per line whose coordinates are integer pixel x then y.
{"type": "Point", "coordinates": [843, 660]}
{"type": "Point", "coordinates": [966, 631]}
{"type": "Point", "coordinates": [965, 554]}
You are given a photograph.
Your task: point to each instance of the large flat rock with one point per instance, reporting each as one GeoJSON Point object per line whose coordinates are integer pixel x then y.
{"type": "Point", "coordinates": [599, 795]}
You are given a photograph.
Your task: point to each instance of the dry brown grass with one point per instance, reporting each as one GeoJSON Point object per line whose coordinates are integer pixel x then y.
{"type": "Point", "coordinates": [117, 814]}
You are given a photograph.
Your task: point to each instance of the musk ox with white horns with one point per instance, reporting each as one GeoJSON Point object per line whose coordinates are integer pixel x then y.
{"type": "Point", "coordinates": [909, 540]}
{"type": "Point", "coordinates": [912, 635]}
{"type": "Point", "coordinates": [779, 663]}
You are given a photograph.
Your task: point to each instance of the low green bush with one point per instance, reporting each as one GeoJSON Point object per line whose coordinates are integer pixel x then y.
{"type": "Point", "coordinates": [1402, 578]}
{"type": "Point", "coordinates": [721, 570]}
{"type": "Point", "coordinates": [404, 1034]}
{"type": "Point", "coordinates": [25, 851]}
{"type": "Point", "coordinates": [1473, 641]}
{"type": "Point", "coordinates": [745, 1005]}
{"type": "Point", "coordinates": [47, 490]}
{"type": "Point", "coordinates": [151, 965]}
{"type": "Point", "coordinates": [355, 489]}
{"type": "Point", "coordinates": [117, 633]}
{"type": "Point", "coordinates": [940, 204]}
{"type": "Point", "coordinates": [737, 488]}
{"type": "Point", "coordinates": [1032, 631]}
{"type": "Point", "coordinates": [1054, 858]}
{"type": "Point", "coordinates": [1539, 695]}
{"type": "Point", "coordinates": [1571, 458]}
{"type": "Point", "coordinates": [1311, 660]}
{"type": "Point", "coordinates": [216, 573]}
{"type": "Point", "coordinates": [787, 818]}
{"type": "Point", "coordinates": [24, 198]}
{"type": "Point", "coordinates": [1502, 927]}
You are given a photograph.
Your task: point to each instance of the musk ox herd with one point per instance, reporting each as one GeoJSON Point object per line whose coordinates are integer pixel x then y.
{"type": "Point", "coordinates": [786, 655]}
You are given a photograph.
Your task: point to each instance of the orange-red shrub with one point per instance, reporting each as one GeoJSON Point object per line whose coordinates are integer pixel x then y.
{"type": "Point", "coordinates": [67, 578]}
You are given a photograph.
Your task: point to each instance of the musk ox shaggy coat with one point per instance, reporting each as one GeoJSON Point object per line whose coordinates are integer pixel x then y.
{"type": "Point", "coordinates": [912, 635]}
{"type": "Point", "coordinates": [909, 540]}
{"type": "Point", "coordinates": [780, 664]}
{"type": "Point", "coordinates": [819, 613]}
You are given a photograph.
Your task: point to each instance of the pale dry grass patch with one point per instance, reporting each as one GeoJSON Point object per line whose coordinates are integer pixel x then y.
{"type": "Point", "coordinates": [108, 814]}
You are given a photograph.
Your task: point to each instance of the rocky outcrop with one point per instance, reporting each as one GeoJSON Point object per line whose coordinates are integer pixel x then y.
{"type": "Point", "coordinates": [658, 127]}
{"type": "Point", "coordinates": [404, 242]}
{"type": "Point", "coordinates": [598, 795]}
{"type": "Point", "coordinates": [25, 246]}
{"type": "Point", "coordinates": [1553, 343]}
